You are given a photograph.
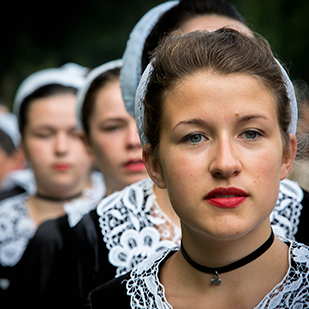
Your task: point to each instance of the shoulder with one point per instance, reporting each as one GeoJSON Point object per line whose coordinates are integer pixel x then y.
{"type": "Point", "coordinates": [113, 292]}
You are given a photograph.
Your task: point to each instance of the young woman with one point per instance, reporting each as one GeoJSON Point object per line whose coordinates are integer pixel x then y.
{"type": "Point", "coordinates": [109, 132]}
{"type": "Point", "coordinates": [217, 123]}
{"type": "Point", "coordinates": [189, 15]}
{"type": "Point", "coordinates": [45, 104]}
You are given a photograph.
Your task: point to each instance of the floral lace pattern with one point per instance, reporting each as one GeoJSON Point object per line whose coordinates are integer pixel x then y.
{"type": "Point", "coordinates": [129, 221]}
{"type": "Point", "coordinates": [146, 291]}
{"type": "Point", "coordinates": [77, 208]}
{"type": "Point", "coordinates": [285, 217]}
{"type": "Point", "coordinates": [133, 225]}
{"type": "Point", "coordinates": [16, 228]}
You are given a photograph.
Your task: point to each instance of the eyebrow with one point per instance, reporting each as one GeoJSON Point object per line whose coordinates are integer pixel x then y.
{"type": "Point", "coordinates": [194, 121]}
{"type": "Point", "coordinates": [201, 122]}
{"type": "Point", "coordinates": [250, 117]}
{"type": "Point", "coordinates": [114, 119]}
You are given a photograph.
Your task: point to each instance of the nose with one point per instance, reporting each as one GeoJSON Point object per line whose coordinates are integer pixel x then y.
{"type": "Point", "coordinates": [225, 162]}
{"type": "Point", "coordinates": [61, 144]}
{"type": "Point", "coordinates": [132, 138]}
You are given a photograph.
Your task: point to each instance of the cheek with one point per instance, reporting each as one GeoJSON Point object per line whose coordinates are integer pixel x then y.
{"type": "Point", "coordinates": [37, 152]}
{"type": "Point", "coordinates": [107, 148]}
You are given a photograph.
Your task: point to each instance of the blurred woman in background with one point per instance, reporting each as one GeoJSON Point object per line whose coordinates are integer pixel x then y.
{"type": "Point", "coordinates": [45, 104]}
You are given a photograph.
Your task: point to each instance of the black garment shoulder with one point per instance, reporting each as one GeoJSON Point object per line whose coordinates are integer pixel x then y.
{"type": "Point", "coordinates": [112, 294]}
{"type": "Point", "coordinates": [83, 267]}
{"type": "Point", "coordinates": [11, 192]}
{"type": "Point", "coordinates": [302, 234]}
{"type": "Point", "coordinates": [38, 262]}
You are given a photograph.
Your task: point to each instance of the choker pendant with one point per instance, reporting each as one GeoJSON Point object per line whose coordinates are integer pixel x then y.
{"type": "Point", "coordinates": [216, 280]}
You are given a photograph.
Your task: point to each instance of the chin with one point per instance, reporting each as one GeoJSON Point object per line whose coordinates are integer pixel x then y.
{"type": "Point", "coordinates": [223, 229]}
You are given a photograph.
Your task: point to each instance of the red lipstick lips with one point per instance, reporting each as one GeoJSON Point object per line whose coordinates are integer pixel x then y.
{"type": "Point", "coordinates": [61, 167]}
{"type": "Point", "coordinates": [135, 166]}
{"type": "Point", "coordinates": [226, 197]}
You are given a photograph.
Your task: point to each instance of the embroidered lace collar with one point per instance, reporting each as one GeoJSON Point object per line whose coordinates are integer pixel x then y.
{"type": "Point", "coordinates": [146, 291]}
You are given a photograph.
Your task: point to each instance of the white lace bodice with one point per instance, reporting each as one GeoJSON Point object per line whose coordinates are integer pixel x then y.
{"type": "Point", "coordinates": [134, 226]}
{"type": "Point", "coordinates": [146, 291]}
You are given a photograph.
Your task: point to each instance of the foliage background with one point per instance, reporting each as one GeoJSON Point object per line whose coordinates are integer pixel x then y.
{"type": "Point", "coordinates": [38, 35]}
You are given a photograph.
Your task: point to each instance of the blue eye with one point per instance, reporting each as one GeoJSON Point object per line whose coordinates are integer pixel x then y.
{"type": "Point", "coordinates": [251, 135]}
{"type": "Point", "coordinates": [196, 138]}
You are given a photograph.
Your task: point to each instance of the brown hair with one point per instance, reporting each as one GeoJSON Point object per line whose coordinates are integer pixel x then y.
{"type": "Point", "coordinates": [224, 51]}
{"type": "Point", "coordinates": [89, 101]}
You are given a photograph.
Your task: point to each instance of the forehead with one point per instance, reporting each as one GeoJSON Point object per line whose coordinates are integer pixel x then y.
{"type": "Point", "coordinates": [216, 96]}
{"type": "Point", "coordinates": [211, 22]}
{"type": "Point", "coordinates": [56, 110]}
{"type": "Point", "coordinates": [109, 102]}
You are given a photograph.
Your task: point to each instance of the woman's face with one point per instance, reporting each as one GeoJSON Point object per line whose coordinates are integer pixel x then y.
{"type": "Point", "coordinates": [57, 155]}
{"type": "Point", "coordinates": [114, 140]}
{"type": "Point", "coordinates": [221, 154]}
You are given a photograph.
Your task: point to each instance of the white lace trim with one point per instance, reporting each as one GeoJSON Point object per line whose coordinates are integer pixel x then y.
{"type": "Point", "coordinates": [16, 228]}
{"type": "Point", "coordinates": [285, 217]}
{"type": "Point", "coordinates": [77, 208]}
{"type": "Point", "coordinates": [129, 221]}
{"type": "Point", "coordinates": [146, 291]}
{"type": "Point", "coordinates": [25, 179]}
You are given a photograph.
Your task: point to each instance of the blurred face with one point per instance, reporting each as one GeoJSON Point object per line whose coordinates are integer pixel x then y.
{"type": "Point", "coordinates": [114, 140]}
{"type": "Point", "coordinates": [220, 155]}
{"type": "Point", "coordinates": [213, 22]}
{"type": "Point", "coordinates": [53, 147]}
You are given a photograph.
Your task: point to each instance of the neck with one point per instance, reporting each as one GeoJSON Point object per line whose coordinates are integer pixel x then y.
{"type": "Point", "coordinates": [213, 252]}
{"type": "Point", "coordinates": [58, 199]}
{"type": "Point", "coordinates": [165, 204]}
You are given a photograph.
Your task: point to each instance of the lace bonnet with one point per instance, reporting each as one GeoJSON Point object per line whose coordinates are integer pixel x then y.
{"type": "Point", "coordinates": [142, 88]}
{"type": "Point", "coordinates": [9, 125]}
{"type": "Point", "coordinates": [82, 92]}
{"type": "Point", "coordinates": [132, 58]}
{"type": "Point", "coordinates": [69, 75]}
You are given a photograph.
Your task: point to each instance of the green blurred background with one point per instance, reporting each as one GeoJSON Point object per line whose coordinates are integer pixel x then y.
{"type": "Point", "coordinates": [36, 35]}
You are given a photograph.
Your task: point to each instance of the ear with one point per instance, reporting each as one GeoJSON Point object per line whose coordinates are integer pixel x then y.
{"type": "Point", "coordinates": [288, 158]}
{"type": "Point", "coordinates": [153, 166]}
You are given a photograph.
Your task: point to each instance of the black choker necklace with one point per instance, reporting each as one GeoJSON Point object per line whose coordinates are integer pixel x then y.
{"type": "Point", "coordinates": [242, 262]}
{"type": "Point", "coordinates": [58, 199]}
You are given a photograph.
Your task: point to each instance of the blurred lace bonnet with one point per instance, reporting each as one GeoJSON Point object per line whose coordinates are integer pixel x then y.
{"type": "Point", "coordinates": [69, 75]}
{"type": "Point", "coordinates": [132, 64]}
{"type": "Point", "coordinates": [82, 92]}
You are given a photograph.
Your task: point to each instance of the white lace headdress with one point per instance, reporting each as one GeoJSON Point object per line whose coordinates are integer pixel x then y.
{"type": "Point", "coordinates": [9, 125]}
{"type": "Point", "coordinates": [82, 92]}
{"type": "Point", "coordinates": [132, 67]}
{"type": "Point", "coordinates": [142, 87]}
{"type": "Point", "coordinates": [69, 75]}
